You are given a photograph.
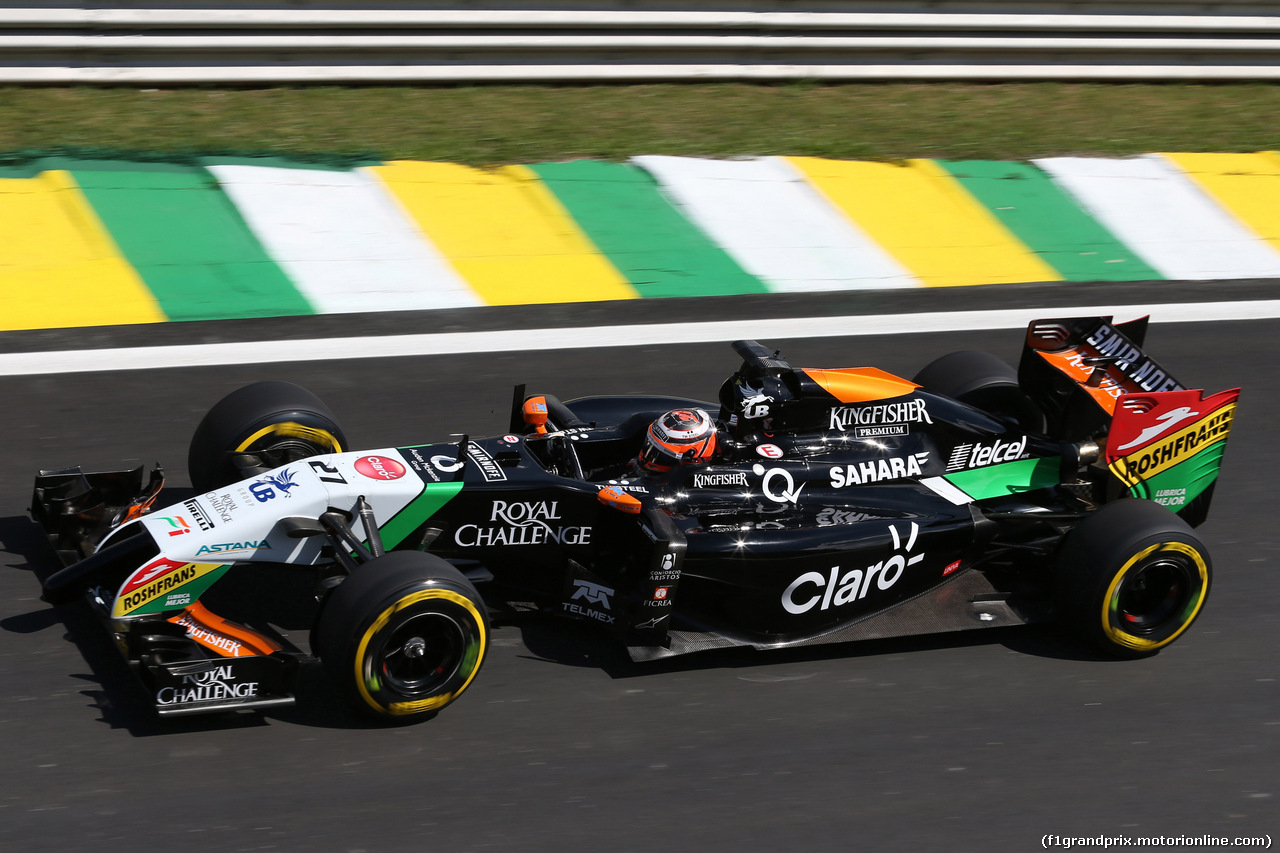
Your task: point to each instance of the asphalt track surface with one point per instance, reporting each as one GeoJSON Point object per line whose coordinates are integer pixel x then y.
{"type": "Point", "coordinates": [987, 740]}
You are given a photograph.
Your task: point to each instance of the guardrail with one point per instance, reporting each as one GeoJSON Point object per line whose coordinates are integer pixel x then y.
{"type": "Point", "coordinates": [233, 44]}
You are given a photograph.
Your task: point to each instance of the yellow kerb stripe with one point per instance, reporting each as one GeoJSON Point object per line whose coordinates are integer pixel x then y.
{"type": "Point", "coordinates": [923, 217]}
{"type": "Point", "coordinates": [58, 265]}
{"type": "Point", "coordinates": [1246, 185]}
{"type": "Point", "coordinates": [504, 232]}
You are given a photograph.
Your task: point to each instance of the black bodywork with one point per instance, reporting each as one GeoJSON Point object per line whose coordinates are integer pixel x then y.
{"type": "Point", "coordinates": [841, 505]}
{"type": "Point", "coordinates": [801, 531]}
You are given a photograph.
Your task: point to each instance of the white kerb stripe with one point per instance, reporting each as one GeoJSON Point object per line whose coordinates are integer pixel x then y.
{"type": "Point", "coordinates": [1165, 217]}
{"type": "Point", "coordinates": [775, 225]}
{"type": "Point", "coordinates": [342, 240]}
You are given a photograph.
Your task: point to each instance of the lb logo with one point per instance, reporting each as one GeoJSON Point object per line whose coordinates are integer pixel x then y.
{"type": "Point", "coordinates": [379, 468]}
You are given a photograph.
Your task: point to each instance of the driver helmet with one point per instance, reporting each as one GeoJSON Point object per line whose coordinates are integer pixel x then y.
{"type": "Point", "coordinates": [679, 437]}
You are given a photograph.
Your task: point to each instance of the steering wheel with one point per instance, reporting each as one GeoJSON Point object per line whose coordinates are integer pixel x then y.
{"type": "Point", "coordinates": [562, 445]}
{"type": "Point", "coordinates": [560, 450]}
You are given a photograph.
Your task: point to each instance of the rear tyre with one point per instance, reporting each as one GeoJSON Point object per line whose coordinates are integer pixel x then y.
{"type": "Point", "coordinates": [984, 382]}
{"type": "Point", "coordinates": [279, 422]}
{"type": "Point", "coordinates": [1131, 578]}
{"type": "Point", "coordinates": [403, 636]}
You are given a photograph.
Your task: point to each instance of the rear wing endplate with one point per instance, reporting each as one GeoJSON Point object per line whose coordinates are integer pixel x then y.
{"type": "Point", "coordinates": [1161, 441]}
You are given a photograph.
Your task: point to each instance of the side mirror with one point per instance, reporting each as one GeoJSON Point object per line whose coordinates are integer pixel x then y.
{"type": "Point", "coordinates": [534, 412]}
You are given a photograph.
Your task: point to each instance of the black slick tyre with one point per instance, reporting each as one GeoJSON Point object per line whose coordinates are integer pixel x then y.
{"type": "Point", "coordinates": [984, 382]}
{"type": "Point", "coordinates": [1131, 578]}
{"type": "Point", "coordinates": [279, 422]}
{"type": "Point", "coordinates": [403, 636]}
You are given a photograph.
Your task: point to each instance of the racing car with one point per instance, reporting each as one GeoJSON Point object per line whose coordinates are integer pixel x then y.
{"type": "Point", "coordinates": [821, 506]}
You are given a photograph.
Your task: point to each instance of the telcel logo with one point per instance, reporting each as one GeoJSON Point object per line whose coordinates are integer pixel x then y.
{"type": "Point", "coordinates": [836, 590]}
{"type": "Point", "coordinates": [980, 455]}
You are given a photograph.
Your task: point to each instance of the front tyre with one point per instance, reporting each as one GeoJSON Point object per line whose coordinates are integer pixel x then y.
{"type": "Point", "coordinates": [403, 636]}
{"type": "Point", "coordinates": [278, 422]}
{"type": "Point", "coordinates": [1132, 578]}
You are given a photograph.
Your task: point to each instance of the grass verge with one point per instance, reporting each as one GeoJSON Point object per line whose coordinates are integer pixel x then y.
{"type": "Point", "coordinates": [530, 123]}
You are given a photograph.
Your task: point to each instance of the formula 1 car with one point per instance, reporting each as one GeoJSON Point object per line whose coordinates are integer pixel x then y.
{"type": "Point", "coordinates": [840, 504]}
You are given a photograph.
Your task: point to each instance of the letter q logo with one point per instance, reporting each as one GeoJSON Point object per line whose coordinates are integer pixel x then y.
{"type": "Point", "coordinates": [777, 485]}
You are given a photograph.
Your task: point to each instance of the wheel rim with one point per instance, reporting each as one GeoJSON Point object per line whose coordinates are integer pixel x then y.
{"type": "Point", "coordinates": [284, 452]}
{"type": "Point", "coordinates": [288, 441]}
{"type": "Point", "coordinates": [422, 654]}
{"type": "Point", "coordinates": [1155, 595]}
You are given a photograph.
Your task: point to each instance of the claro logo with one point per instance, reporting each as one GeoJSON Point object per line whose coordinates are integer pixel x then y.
{"type": "Point", "coordinates": [379, 468]}
{"type": "Point", "coordinates": [814, 589]}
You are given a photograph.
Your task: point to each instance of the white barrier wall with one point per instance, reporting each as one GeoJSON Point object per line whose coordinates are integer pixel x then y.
{"type": "Point", "coordinates": [230, 42]}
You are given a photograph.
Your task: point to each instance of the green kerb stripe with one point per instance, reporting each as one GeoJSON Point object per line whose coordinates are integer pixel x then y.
{"type": "Point", "coordinates": [1043, 216]}
{"type": "Point", "coordinates": [187, 240]}
{"type": "Point", "coordinates": [658, 250]}
{"type": "Point", "coordinates": [1010, 478]}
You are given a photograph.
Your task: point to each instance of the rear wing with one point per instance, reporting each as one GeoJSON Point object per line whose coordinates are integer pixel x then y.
{"type": "Point", "coordinates": [1161, 441]}
{"type": "Point", "coordinates": [1168, 446]}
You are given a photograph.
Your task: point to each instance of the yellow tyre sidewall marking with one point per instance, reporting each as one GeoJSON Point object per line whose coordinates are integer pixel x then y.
{"type": "Point", "coordinates": [1129, 641]}
{"type": "Point", "coordinates": [292, 430]}
{"type": "Point", "coordinates": [402, 708]}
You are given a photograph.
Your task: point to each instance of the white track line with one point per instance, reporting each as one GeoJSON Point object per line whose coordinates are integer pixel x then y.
{"type": "Point", "coordinates": [535, 340]}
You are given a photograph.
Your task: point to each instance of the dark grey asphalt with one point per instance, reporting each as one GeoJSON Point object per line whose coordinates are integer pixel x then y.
{"type": "Point", "coordinates": [983, 741]}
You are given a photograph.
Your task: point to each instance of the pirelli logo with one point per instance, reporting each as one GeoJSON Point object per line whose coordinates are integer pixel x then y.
{"type": "Point", "coordinates": [1176, 448]}
{"type": "Point", "coordinates": [169, 579]}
